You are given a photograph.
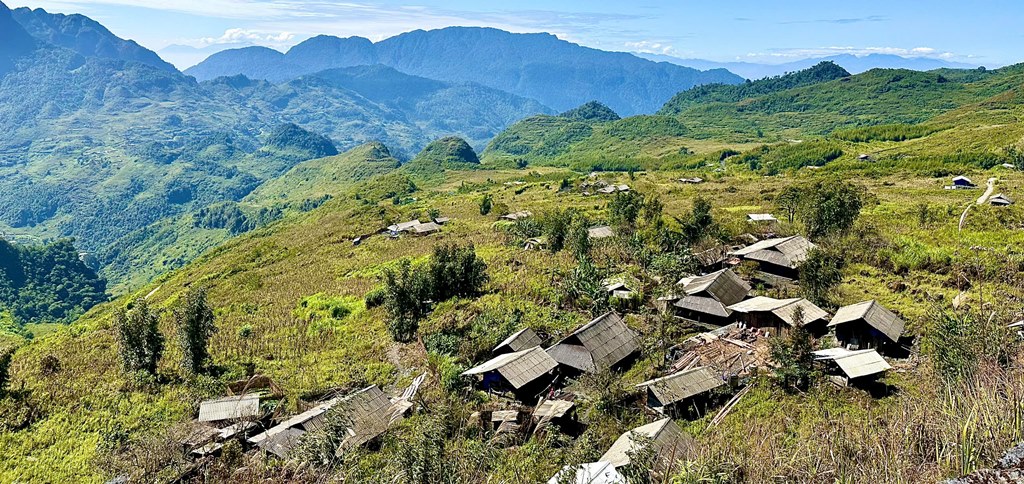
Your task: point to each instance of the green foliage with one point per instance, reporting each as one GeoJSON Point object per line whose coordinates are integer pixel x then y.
{"type": "Point", "coordinates": [788, 201]}
{"type": "Point", "coordinates": [375, 298]}
{"type": "Point", "coordinates": [592, 111]}
{"type": "Point", "coordinates": [955, 344]}
{"type": "Point", "coordinates": [386, 186]}
{"type": "Point", "coordinates": [486, 203]}
{"type": "Point", "coordinates": [47, 283]}
{"type": "Point", "coordinates": [830, 208]}
{"type": "Point", "coordinates": [885, 132]}
{"type": "Point", "coordinates": [775, 159]}
{"type": "Point", "coordinates": [291, 136]}
{"type": "Point", "coordinates": [820, 274]}
{"type": "Point", "coordinates": [194, 322]}
{"type": "Point", "coordinates": [6, 356]}
{"type": "Point", "coordinates": [700, 224]}
{"type": "Point", "coordinates": [624, 209]}
{"type": "Point", "coordinates": [793, 357]}
{"type": "Point", "coordinates": [824, 71]}
{"type": "Point", "coordinates": [450, 153]}
{"type": "Point", "coordinates": [139, 342]}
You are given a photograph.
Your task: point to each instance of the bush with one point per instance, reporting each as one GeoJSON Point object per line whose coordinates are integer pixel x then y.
{"type": "Point", "coordinates": [375, 298]}
{"type": "Point", "coordinates": [139, 341]}
{"type": "Point", "coordinates": [820, 274]}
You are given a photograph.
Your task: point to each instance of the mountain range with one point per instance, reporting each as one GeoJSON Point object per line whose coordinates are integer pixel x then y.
{"type": "Point", "coordinates": [853, 63]}
{"type": "Point", "coordinates": [557, 73]}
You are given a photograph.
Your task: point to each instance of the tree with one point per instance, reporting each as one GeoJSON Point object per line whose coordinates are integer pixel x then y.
{"type": "Point", "coordinates": [793, 355]}
{"type": "Point", "coordinates": [194, 319]}
{"type": "Point", "coordinates": [406, 299]}
{"type": "Point", "coordinates": [139, 341]}
{"type": "Point", "coordinates": [624, 209]}
{"type": "Point", "coordinates": [6, 355]}
{"type": "Point", "coordinates": [455, 271]}
{"type": "Point", "coordinates": [700, 224]}
{"type": "Point", "coordinates": [830, 208]}
{"type": "Point", "coordinates": [578, 238]}
{"type": "Point", "coordinates": [788, 201]}
{"type": "Point", "coordinates": [820, 273]}
{"type": "Point", "coordinates": [556, 227]}
{"type": "Point", "coordinates": [485, 204]}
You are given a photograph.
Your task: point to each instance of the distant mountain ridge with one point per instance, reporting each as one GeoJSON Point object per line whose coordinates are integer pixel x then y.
{"type": "Point", "coordinates": [854, 64]}
{"type": "Point", "coordinates": [557, 73]}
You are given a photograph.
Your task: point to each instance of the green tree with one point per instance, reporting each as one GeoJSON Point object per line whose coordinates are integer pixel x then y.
{"type": "Point", "coordinates": [578, 238]}
{"type": "Point", "coordinates": [456, 271]}
{"type": "Point", "coordinates": [700, 224]}
{"type": "Point", "coordinates": [820, 274]}
{"type": "Point", "coordinates": [788, 201]}
{"type": "Point", "coordinates": [793, 356]}
{"type": "Point", "coordinates": [407, 293]}
{"type": "Point", "coordinates": [485, 204]}
{"type": "Point", "coordinates": [194, 319]}
{"type": "Point", "coordinates": [139, 341]}
{"type": "Point", "coordinates": [624, 209]}
{"type": "Point", "coordinates": [6, 355]}
{"type": "Point", "coordinates": [830, 208]}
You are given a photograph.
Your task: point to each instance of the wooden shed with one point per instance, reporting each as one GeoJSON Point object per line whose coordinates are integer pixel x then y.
{"type": "Point", "coordinates": [523, 339]}
{"type": "Point", "coordinates": [667, 441]}
{"type": "Point", "coordinates": [867, 325]}
{"type": "Point", "coordinates": [525, 374]}
{"type": "Point", "coordinates": [669, 395]}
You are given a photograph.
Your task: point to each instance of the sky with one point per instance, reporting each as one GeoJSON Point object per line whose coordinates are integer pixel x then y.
{"type": "Point", "coordinates": [981, 32]}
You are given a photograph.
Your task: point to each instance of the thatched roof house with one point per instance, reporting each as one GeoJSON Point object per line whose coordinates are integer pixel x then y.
{"type": "Point", "coordinates": [707, 297]}
{"type": "Point", "coordinates": [606, 342]}
{"type": "Point", "coordinates": [867, 324]}
{"type": "Point", "coordinates": [667, 441]}
{"type": "Point", "coordinates": [523, 339]}
{"type": "Point", "coordinates": [781, 314]}
{"type": "Point", "coordinates": [665, 393]}
{"type": "Point", "coordinates": [525, 373]}
{"type": "Point", "coordinates": [779, 257]}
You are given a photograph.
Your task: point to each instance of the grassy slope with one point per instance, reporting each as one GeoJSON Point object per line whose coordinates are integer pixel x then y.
{"type": "Point", "coordinates": [259, 279]}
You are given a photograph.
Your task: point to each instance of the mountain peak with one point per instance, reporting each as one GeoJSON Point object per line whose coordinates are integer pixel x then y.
{"type": "Point", "coordinates": [591, 111]}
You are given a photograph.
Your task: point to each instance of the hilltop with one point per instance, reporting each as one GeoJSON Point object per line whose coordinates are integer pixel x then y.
{"type": "Point", "coordinates": [556, 73]}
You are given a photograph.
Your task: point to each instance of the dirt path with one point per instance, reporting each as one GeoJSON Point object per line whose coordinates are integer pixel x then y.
{"type": "Point", "coordinates": [988, 191]}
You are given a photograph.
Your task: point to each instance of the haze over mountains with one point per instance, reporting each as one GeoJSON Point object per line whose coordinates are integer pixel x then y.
{"type": "Point", "coordinates": [853, 63]}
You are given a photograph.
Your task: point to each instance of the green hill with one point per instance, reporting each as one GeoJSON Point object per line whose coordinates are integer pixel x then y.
{"type": "Point", "coordinates": [448, 153]}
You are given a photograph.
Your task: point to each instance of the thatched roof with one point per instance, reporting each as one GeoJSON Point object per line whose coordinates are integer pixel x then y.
{"type": "Point", "coordinates": [855, 363]}
{"type": "Point", "coordinates": [523, 339]}
{"type": "Point", "coordinates": [519, 368]}
{"type": "Point", "coordinates": [667, 441]}
{"type": "Point", "coordinates": [684, 384]}
{"type": "Point", "coordinates": [597, 345]}
{"type": "Point", "coordinates": [229, 408]}
{"type": "Point", "coordinates": [785, 252]}
{"type": "Point", "coordinates": [872, 313]}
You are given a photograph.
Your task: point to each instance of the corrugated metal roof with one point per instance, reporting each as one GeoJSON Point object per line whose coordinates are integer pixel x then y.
{"type": "Point", "coordinates": [519, 368]}
{"type": "Point", "coordinates": [553, 408]}
{"type": "Point", "coordinates": [667, 441]}
{"type": "Point", "coordinates": [761, 217]}
{"type": "Point", "coordinates": [607, 339]}
{"type": "Point", "coordinates": [811, 312]}
{"type": "Point", "coordinates": [426, 228]}
{"type": "Point", "coordinates": [684, 384]}
{"type": "Point", "coordinates": [401, 227]}
{"type": "Point", "coordinates": [521, 340]}
{"type": "Point", "coordinates": [590, 473]}
{"type": "Point", "coordinates": [573, 355]}
{"type": "Point", "coordinates": [872, 313]}
{"type": "Point", "coordinates": [369, 414]}
{"type": "Point", "coordinates": [600, 232]}
{"type": "Point", "coordinates": [229, 408]}
{"type": "Point", "coordinates": [704, 305]}
{"type": "Point", "coordinates": [280, 438]}
{"type": "Point", "coordinates": [785, 251]}
{"type": "Point", "coordinates": [760, 304]}
{"type": "Point", "coordinates": [724, 286]}
{"type": "Point", "coordinates": [855, 363]}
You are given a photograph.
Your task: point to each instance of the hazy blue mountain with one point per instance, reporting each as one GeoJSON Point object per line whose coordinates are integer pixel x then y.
{"type": "Point", "coordinates": [14, 40]}
{"type": "Point", "coordinates": [557, 73]}
{"type": "Point", "coordinates": [84, 36]}
{"type": "Point", "coordinates": [852, 63]}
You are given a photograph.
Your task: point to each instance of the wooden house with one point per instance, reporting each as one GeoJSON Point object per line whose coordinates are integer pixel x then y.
{"type": "Point", "coordinates": [706, 298]}
{"type": "Point", "coordinates": [670, 395]}
{"type": "Point", "coordinates": [867, 325]}
{"type": "Point", "coordinates": [602, 344]}
{"type": "Point", "coordinates": [779, 315]}
{"type": "Point", "coordinates": [667, 442]}
{"type": "Point", "coordinates": [525, 374]}
{"type": "Point", "coordinates": [523, 339]}
{"type": "Point", "coordinates": [779, 257]}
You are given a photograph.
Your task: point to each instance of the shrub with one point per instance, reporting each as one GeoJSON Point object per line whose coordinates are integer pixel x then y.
{"type": "Point", "coordinates": [139, 341]}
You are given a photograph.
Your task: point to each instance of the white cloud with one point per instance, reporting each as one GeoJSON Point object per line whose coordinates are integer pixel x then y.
{"type": "Point", "coordinates": [246, 36]}
{"type": "Point", "coordinates": [651, 47]}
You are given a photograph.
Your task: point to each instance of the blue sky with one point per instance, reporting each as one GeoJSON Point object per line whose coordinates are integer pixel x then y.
{"type": "Point", "coordinates": [978, 32]}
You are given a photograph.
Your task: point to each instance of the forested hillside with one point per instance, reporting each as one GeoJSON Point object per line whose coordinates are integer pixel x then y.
{"type": "Point", "coordinates": [46, 283]}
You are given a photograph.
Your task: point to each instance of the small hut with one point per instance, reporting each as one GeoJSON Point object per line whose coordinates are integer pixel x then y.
{"type": "Point", "coordinates": [524, 373]}
{"type": "Point", "coordinates": [604, 343]}
{"type": "Point", "coordinates": [536, 243]}
{"type": "Point", "coordinates": [852, 368]}
{"type": "Point", "coordinates": [867, 325]}
{"type": "Point", "coordinates": [707, 297]}
{"type": "Point", "coordinates": [779, 257]}
{"type": "Point", "coordinates": [670, 394]}
{"type": "Point", "coordinates": [779, 315]}
{"type": "Point", "coordinates": [667, 441]}
{"type": "Point", "coordinates": [403, 227]}
{"type": "Point", "coordinates": [523, 339]}
{"type": "Point", "coordinates": [1000, 200]}
{"type": "Point", "coordinates": [426, 229]}
{"type": "Point", "coordinates": [962, 182]}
